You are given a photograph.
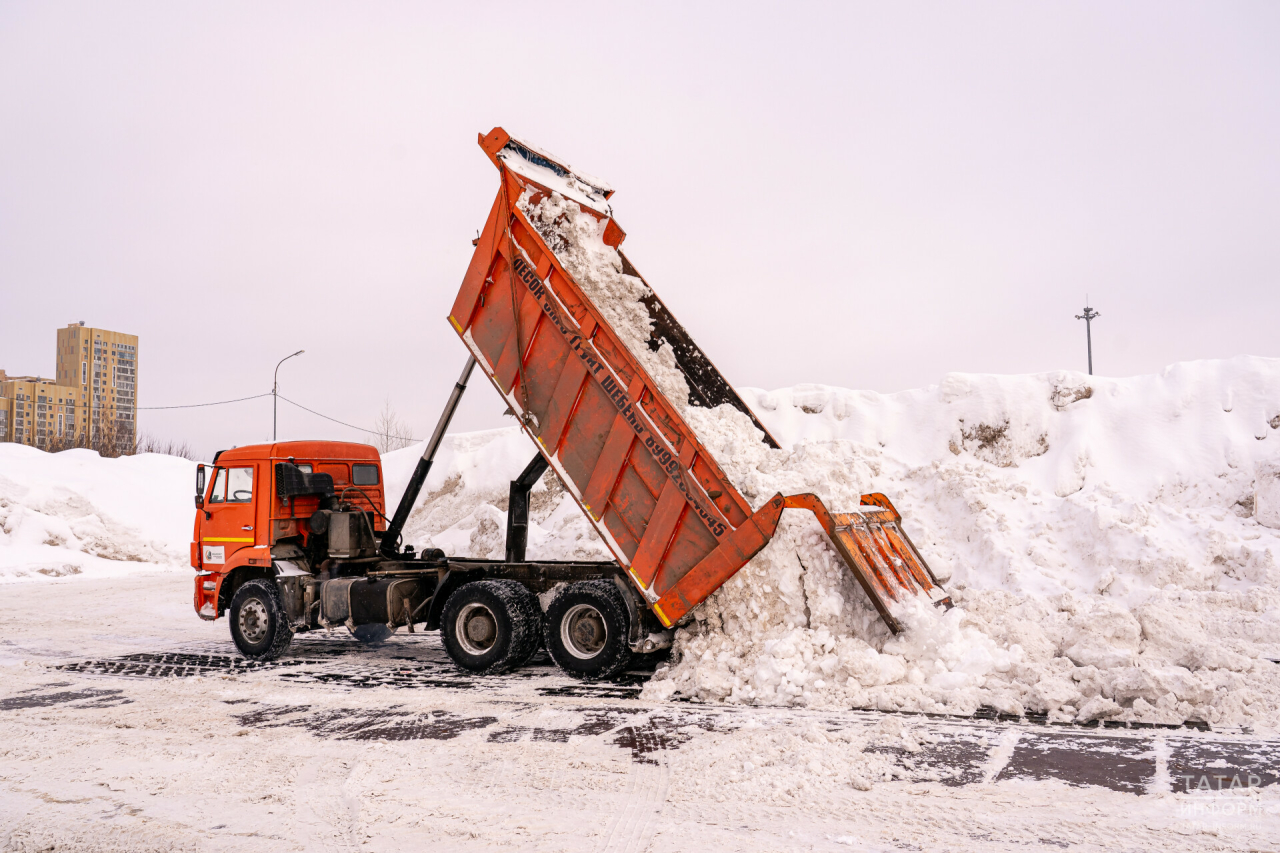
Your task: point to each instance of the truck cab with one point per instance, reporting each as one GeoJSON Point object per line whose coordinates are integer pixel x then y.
{"type": "Point", "coordinates": [255, 508]}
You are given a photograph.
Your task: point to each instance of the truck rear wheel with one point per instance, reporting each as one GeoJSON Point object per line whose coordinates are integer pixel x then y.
{"type": "Point", "coordinates": [259, 625]}
{"type": "Point", "coordinates": [490, 626]}
{"type": "Point", "coordinates": [586, 630]}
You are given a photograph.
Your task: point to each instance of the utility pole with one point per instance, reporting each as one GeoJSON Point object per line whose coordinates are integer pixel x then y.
{"type": "Point", "coordinates": [1088, 316]}
{"type": "Point", "coordinates": [275, 390]}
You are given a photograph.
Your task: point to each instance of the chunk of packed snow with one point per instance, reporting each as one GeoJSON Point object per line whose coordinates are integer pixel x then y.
{"type": "Point", "coordinates": [577, 238]}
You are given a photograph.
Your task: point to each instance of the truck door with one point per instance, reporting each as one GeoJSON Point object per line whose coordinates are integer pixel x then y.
{"type": "Point", "coordinates": [230, 525]}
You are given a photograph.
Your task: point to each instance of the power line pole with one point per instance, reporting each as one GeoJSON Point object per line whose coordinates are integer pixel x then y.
{"type": "Point", "coordinates": [1088, 316]}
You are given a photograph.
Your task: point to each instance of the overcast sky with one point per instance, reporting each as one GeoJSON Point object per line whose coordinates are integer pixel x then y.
{"type": "Point", "coordinates": [863, 195]}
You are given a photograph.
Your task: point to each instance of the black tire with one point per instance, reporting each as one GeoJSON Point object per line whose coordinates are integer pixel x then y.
{"type": "Point", "coordinates": [490, 626]}
{"type": "Point", "coordinates": [372, 633]}
{"type": "Point", "coordinates": [533, 610]}
{"type": "Point", "coordinates": [586, 630]}
{"type": "Point", "coordinates": [259, 625]}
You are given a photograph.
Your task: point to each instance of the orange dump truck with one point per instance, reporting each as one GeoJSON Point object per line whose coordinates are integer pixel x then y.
{"type": "Point", "coordinates": [674, 523]}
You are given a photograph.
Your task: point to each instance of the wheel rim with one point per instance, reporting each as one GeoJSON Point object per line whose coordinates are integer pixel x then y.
{"type": "Point", "coordinates": [583, 631]}
{"type": "Point", "coordinates": [476, 629]}
{"type": "Point", "coordinates": [254, 621]}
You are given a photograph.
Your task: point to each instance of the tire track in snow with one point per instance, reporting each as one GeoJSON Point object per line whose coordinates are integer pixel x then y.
{"type": "Point", "coordinates": [634, 824]}
{"type": "Point", "coordinates": [332, 810]}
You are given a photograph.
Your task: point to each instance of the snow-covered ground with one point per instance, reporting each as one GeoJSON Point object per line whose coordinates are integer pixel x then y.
{"type": "Point", "coordinates": [130, 725]}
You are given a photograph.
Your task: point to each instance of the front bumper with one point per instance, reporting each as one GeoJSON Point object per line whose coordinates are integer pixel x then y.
{"type": "Point", "coordinates": [207, 585]}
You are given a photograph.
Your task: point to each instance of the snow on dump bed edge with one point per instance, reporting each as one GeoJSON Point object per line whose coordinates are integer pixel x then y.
{"type": "Point", "coordinates": [76, 513]}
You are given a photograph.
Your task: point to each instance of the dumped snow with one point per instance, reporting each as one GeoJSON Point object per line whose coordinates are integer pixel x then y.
{"type": "Point", "coordinates": [75, 512]}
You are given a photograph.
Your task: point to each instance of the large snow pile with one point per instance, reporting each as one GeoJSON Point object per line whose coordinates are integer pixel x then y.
{"type": "Point", "coordinates": [74, 512]}
{"type": "Point", "coordinates": [1098, 534]}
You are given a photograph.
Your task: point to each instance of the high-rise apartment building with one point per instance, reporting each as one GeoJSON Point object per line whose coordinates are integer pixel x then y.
{"type": "Point", "coordinates": [92, 399]}
{"type": "Point", "coordinates": [103, 366]}
{"type": "Point", "coordinates": [39, 412]}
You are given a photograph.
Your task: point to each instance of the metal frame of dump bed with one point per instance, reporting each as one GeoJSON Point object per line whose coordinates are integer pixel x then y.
{"type": "Point", "coordinates": [656, 496]}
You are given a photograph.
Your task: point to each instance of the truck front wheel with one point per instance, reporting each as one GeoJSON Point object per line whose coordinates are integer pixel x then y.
{"type": "Point", "coordinates": [586, 630]}
{"type": "Point", "coordinates": [259, 624]}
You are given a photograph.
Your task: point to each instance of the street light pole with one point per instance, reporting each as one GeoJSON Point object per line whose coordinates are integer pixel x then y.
{"type": "Point", "coordinates": [1088, 316]}
{"type": "Point", "coordinates": [275, 391]}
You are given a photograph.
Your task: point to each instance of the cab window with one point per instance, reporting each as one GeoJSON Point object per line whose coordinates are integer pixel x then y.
{"type": "Point", "coordinates": [364, 475]}
{"type": "Point", "coordinates": [304, 467]}
{"type": "Point", "coordinates": [239, 485]}
{"type": "Point", "coordinates": [218, 493]}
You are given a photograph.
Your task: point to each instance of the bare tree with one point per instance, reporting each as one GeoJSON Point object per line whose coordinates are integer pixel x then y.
{"type": "Point", "coordinates": [108, 437]}
{"type": "Point", "coordinates": [116, 438]}
{"type": "Point", "coordinates": [391, 432]}
{"type": "Point", "coordinates": [166, 446]}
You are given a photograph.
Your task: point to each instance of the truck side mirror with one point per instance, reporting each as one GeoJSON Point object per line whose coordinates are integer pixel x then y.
{"type": "Point", "coordinates": [199, 486]}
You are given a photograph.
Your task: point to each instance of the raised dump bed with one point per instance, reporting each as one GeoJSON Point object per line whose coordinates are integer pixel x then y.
{"type": "Point", "coordinates": [657, 497]}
